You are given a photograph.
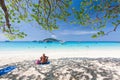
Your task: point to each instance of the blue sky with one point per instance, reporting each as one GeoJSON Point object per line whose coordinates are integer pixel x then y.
{"type": "Point", "coordinates": [66, 32]}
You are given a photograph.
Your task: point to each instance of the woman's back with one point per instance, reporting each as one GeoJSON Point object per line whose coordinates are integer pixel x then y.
{"type": "Point", "coordinates": [43, 59]}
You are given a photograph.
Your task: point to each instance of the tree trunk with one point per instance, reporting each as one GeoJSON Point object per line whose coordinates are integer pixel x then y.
{"type": "Point", "coordinates": [4, 8]}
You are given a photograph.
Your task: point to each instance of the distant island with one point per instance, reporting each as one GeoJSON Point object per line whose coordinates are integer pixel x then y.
{"type": "Point", "coordinates": [51, 40]}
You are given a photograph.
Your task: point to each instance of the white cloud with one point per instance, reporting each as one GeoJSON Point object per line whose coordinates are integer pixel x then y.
{"type": "Point", "coordinates": [70, 32]}
{"type": "Point", "coordinates": [53, 36]}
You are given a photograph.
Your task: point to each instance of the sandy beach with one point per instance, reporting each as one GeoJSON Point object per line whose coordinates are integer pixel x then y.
{"type": "Point", "coordinates": [66, 69]}
{"type": "Point", "coordinates": [64, 65]}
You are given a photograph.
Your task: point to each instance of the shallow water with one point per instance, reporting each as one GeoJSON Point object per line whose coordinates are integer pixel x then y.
{"type": "Point", "coordinates": [56, 45]}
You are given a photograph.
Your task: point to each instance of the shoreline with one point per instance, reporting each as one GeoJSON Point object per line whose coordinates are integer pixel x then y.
{"type": "Point", "coordinates": [16, 56]}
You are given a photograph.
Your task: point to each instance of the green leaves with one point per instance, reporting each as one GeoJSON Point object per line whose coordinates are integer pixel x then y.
{"type": "Point", "coordinates": [1, 17]}
{"type": "Point", "coordinates": [19, 35]}
{"type": "Point", "coordinates": [10, 36]}
{"type": "Point", "coordinates": [97, 8]}
{"type": "Point", "coordinates": [15, 34]}
{"type": "Point", "coordinates": [99, 34]}
{"type": "Point", "coordinates": [1, 23]}
{"type": "Point", "coordinates": [36, 5]}
{"type": "Point", "coordinates": [70, 2]}
{"type": "Point", "coordinates": [94, 36]}
{"type": "Point", "coordinates": [114, 24]}
{"type": "Point", "coordinates": [102, 33]}
{"type": "Point", "coordinates": [98, 14]}
{"type": "Point", "coordinates": [18, 21]}
{"type": "Point", "coordinates": [47, 12]}
{"type": "Point", "coordinates": [118, 21]}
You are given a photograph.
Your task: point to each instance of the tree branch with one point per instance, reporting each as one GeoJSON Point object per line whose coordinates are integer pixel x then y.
{"type": "Point", "coordinates": [113, 7]}
{"type": "Point", "coordinates": [116, 27]}
{"type": "Point", "coordinates": [113, 29]}
{"type": "Point", "coordinates": [48, 12]}
{"type": "Point", "coordinates": [4, 8]}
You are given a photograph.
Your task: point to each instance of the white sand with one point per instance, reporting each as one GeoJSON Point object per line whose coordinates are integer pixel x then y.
{"type": "Point", "coordinates": [62, 69]}
{"type": "Point", "coordinates": [66, 69]}
{"type": "Point", "coordinates": [16, 56]}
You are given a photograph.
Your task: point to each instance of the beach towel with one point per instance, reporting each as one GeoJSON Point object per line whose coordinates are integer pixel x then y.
{"type": "Point", "coordinates": [6, 70]}
{"type": "Point", "coordinates": [45, 63]}
{"type": "Point", "coordinates": [38, 62]}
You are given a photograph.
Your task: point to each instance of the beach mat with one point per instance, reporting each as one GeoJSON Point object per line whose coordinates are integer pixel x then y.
{"type": "Point", "coordinates": [38, 62]}
{"type": "Point", "coordinates": [45, 63]}
{"type": "Point", "coordinates": [6, 70]}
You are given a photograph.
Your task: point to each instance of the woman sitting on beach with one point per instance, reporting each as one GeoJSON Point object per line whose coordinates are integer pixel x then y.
{"type": "Point", "coordinates": [43, 59]}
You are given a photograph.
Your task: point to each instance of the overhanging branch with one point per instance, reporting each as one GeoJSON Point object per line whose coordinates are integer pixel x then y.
{"type": "Point", "coordinates": [4, 8]}
{"type": "Point", "coordinates": [113, 29]}
{"type": "Point", "coordinates": [48, 12]}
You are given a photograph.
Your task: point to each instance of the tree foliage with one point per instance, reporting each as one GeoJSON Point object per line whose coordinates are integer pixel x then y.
{"type": "Point", "coordinates": [44, 12]}
{"type": "Point", "coordinates": [97, 14]}
{"type": "Point", "coordinates": [94, 13]}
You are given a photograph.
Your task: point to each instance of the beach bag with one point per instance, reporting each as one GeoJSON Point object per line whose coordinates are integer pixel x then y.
{"type": "Point", "coordinates": [37, 62]}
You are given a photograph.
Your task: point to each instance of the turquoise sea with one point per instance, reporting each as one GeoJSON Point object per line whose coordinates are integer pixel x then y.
{"type": "Point", "coordinates": [18, 45]}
